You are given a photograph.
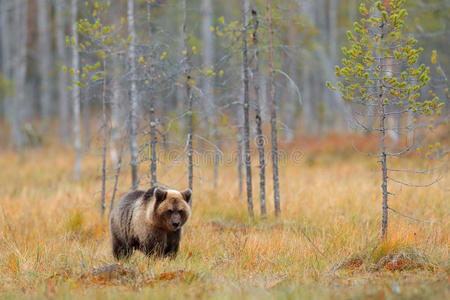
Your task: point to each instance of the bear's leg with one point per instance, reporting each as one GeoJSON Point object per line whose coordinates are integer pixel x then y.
{"type": "Point", "coordinates": [173, 243]}
{"type": "Point", "coordinates": [154, 245]}
{"type": "Point", "coordinates": [120, 249]}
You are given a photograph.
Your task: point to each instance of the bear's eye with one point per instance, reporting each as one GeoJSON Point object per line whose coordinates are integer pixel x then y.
{"type": "Point", "coordinates": [170, 211]}
{"type": "Point", "coordinates": [181, 212]}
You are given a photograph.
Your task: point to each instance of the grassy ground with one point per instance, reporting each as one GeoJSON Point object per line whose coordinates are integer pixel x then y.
{"type": "Point", "coordinates": [325, 245]}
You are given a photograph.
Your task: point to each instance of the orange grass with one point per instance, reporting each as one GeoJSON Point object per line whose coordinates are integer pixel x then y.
{"type": "Point", "coordinates": [51, 234]}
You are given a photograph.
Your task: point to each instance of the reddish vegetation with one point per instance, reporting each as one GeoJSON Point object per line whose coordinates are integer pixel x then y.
{"type": "Point", "coordinates": [352, 264]}
{"type": "Point", "coordinates": [168, 276]}
{"type": "Point", "coordinates": [398, 265]}
{"type": "Point", "coordinates": [334, 142]}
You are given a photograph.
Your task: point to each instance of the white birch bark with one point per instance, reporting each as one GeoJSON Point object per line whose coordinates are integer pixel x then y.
{"type": "Point", "coordinates": [189, 99]}
{"type": "Point", "coordinates": [273, 115]}
{"type": "Point", "coordinates": [19, 72]}
{"type": "Point", "coordinates": [133, 95]}
{"type": "Point", "coordinates": [44, 61]}
{"type": "Point", "coordinates": [258, 118]}
{"type": "Point", "coordinates": [5, 42]}
{"type": "Point", "coordinates": [246, 104]}
{"type": "Point", "coordinates": [63, 97]}
{"type": "Point", "coordinates": [332, 24]}
{"type": "Point", "coordinates": [76, 93]}
{"type": "Point", "coordinates": [208, 57]}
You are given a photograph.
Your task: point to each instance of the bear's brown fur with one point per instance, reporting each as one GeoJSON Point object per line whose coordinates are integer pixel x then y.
{"type": "Point", "coordinates": [149, 221]}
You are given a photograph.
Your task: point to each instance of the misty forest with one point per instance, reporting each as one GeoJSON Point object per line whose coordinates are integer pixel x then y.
{"type": "Point", "coordinates": [241, 149]}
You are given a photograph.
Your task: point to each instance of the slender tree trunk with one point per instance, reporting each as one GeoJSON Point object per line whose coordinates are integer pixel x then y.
{"type": "Point", "coordinates": [190, 143]}
{"type": "Point", "coordinates": [246, 104]}
{"type": "Point", "coordinates": [116, 176]}
{"type": "Point", "coordinates": [63, 97]}
{"type": "Point", "coordinates": [208, 82]}
{"type": "Point", "coordinates": [44, 59]}
{"type": "Point", "coordinates": [289, 109]}
{"type": "Point", "coordinates": [264, 100]}
{"type": "Point", "coordinates": [217, 156]}
{"type": "Point", "coordinates": [189, 99]}
{"type": "Point", "coordinates": [86, 112]}
{"type": "Point", "coordinates": [240, 160]}
{"type": "Point", "coordinates": [259, 132]}
{"type": "Point", "coordinates": [309, 107]}
{"type": "Point", "coordinates": [273, 114]}
{"type": "Point", "coordinates": [5, 41]}
{"type": "Point", "coordinates": [76, 93]}
{"type": "Point", "coordinates": [333, 30]}
{"type": "Point", "coordinates": [353, 9]}
{"type": "Point", "coordinates": [133, 96]}
{"type": "Point", "coordinates": [208, 57]}
{"type": "Point", "coordinates": [105, 139]}
{"type": "Point", "coordinates": [153, 160]}
{"type": "Point", "coordinates": [116, 120]}
{"type": "Point", "coordinates": [19, 71]}
{"type": "Point", "coordinates": [384, 222]}
{"type": "Point", "coordinates": [382, 137]}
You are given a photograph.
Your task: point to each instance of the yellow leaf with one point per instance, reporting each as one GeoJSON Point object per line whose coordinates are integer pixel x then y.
{"type": "Point", "coordinates": [433, 57]}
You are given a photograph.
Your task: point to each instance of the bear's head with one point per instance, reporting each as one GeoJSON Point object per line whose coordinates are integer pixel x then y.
{"type": "Point", "coordinates": [171, 208]}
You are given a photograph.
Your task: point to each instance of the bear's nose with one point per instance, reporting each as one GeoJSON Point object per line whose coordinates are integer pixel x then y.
{"type": "Point", "coordinates": [175, 224]}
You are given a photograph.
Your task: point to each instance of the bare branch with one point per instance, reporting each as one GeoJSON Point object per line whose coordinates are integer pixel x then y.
{"type": "Point", "coordinates": [411, 218]}
{"type": "Point", "coordinates": [365, 127]}
{"type": "Point", "coordinates": [293, 84]}
{"type": "Point", "coordinates": [413, 171]}
{"type": "Point", "coordinates": [363, 153]}
{"type": "Point", "coordinates": [416, 185]}
{"type": "Point", "coordinates": [401, 152]}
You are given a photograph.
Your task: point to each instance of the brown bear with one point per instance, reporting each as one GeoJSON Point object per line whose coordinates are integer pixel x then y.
{"type": "Point", "coordinates": [150, 221]}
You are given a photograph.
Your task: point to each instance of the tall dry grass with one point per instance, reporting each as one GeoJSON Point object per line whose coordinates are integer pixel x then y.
{"type": "Point", "coordinates": [326, 243]}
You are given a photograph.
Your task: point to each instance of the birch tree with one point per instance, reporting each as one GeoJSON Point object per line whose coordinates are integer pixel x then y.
{"type": "Point", "coordinates": [208, 81]}
{"type": "Point", "coordinates": [20, 65]}
{"type": "Point", "coordinates": [187, 69]}
{"type": "Point", "coordinates": [63, 97]}
{"type": "Point", "coordinates": [5, 41]}
{"type": "Point", "coordinates": [208, 56]}
{"type": "Point", "coordinates": [273, 114]}
{"type": "Point", "coordinates": [153, 159]}
{"type": "Point", "coordinates": [76, 101]}
{"type": "Point", "coordinates": [133, 94]}
{"type": "Point", "coordinates": [44, 60]}
{"type": "Point", "coordinates": [246, 107]}
{"type": "Point", "coordinates": [258, 117]}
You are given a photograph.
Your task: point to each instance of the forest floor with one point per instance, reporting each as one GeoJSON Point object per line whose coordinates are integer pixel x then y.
{"type": "Point", "coordinates": [325, 244]}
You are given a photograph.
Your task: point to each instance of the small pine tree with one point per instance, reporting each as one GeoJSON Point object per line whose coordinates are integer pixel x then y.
{"type": "Point", "coordinates": [380, 69]}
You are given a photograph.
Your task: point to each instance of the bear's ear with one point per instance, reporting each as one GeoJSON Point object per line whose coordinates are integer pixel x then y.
{"type": "Point", "coordinates": [149, 193]}
{"type": "Point", "coordinates": [160, 195]}
{"type": "Point", "coordinates": [187, 193]}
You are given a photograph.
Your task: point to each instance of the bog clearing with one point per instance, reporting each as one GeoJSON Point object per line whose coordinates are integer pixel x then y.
{"type": "Point", "coordinates": [326, 244]}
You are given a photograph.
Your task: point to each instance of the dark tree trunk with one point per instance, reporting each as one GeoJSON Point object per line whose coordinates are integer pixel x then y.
{"type": "Point", "coordinates": [259, 132]}
{"type": "Point", "coordinates": [105, 139]}
{"type": "Point", "coordinates": [247, 158]}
